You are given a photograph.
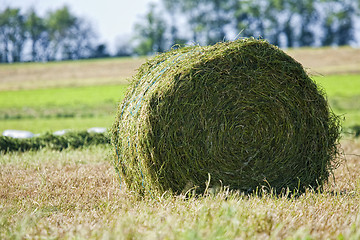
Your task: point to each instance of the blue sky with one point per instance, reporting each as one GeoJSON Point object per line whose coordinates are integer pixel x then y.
{"type": "Point", "coordinates": [110, 18]}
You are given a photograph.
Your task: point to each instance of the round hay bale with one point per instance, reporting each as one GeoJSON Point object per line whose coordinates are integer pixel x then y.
{"type": "Point", "coordinates": [244, 113]}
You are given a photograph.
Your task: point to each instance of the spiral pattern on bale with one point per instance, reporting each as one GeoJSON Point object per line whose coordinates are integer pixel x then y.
{"type": "Point", "coordinates": [244, 113]}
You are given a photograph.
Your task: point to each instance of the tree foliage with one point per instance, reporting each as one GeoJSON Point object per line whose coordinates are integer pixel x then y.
{"type": "Point", "coordinates": [287, 23]}
{"type": "Point", "coordinates": [151, 33]}
{"type": "Point", "coordinates": [12, 35]}
{"type": "Point", "coordinates": [60, 35]}
{"type": "Point", "coordinates": [36, 33]}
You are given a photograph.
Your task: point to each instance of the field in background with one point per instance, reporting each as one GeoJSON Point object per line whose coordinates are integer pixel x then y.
{"type": "Point", "coordinates": [43, 97]}
{"type": "Point", "coordinates": [41, 110]}
{"type": "Point", "coordinates": [46, 97]}
{"type": "Point", "coordinates": [49, 125]}
{"type": "Point", "coordinates": [68, 74]}
{"type": "Point", "coordinates": [76, 194]}
{"type": "Point", "coordinates": [322, 61]}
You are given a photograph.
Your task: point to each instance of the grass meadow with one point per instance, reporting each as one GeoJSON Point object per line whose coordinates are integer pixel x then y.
{"type": "Point", "coordinates": [45, 110]}
{"type": "Point", "coordinates": [76, 194]}
{"type": "Point", "coordinates": [40, 110]}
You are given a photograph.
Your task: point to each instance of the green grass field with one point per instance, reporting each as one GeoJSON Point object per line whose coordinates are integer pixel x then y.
{"type": "Point", "coordinates": [75, 194]}
{"type": "Point", "coordinates": [52, 109]}
{"type": "Point", "coordinates": [343, 92]}
{"type": "Point", "coordinates": [88, 96]}
{"type": "Point", "coordinates": [339, 85]}
{"type": "Point", "coordinates": [42, 125]}
{"type": "Point", "coordinates": [44, 110]}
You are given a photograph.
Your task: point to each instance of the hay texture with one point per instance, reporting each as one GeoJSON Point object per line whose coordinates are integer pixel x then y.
{"type": "Point", "coordinates": [244, 113]}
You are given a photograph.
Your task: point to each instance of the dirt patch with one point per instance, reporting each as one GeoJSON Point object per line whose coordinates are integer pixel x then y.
{"type": "Point", "coordinates": [317, 61]}
{"type": "Point", "coordinates": [328, 61]}
{"type": "Point", "coordinates": [65, 74]}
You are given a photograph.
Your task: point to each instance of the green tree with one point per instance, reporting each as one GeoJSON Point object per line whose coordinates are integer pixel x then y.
{"type": "Point", "coordinates": [329, 32]}
{"type": "Point", "coordinates": [171, 6]}
{"type": "Point", "coordinates": [35, 31]}
{"type": "Point", "coordinates": [288, 23]}
{"type": "Point", "coordinates": [12, 34]}
{"type": "Point", "coordinates": [293, 20]}
{"type": "Point", "coordinates": [4, 35]}
{"type": "Point", "coordinates": [299, 17]}
{"type": "Point", "coordinates": [346, 23]}
{"type": "Point", "coordinates": [100, 51]}
{"type": "Point", "coordinates": [151, 33]}
{"type": "Point", "coordinates": [194, 13]}
{"type": "Point", "coordinates": [338, 24]}
{"type": "Point", "coordinates": [309, 16]}
{"type": "Point", "coordinates": [276, 26]}
{"type": "Point", "coordinates": [217, 18]}
{"type": "Point", "coordinates": [60, 35]}
{"type": "Point", "coordinates": [70, 37]}
{"type": "Point", "coordinates": [59, 24]}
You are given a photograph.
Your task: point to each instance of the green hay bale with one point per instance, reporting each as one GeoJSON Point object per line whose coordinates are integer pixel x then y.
{"type": "Point", "coordinates": [243, 112]}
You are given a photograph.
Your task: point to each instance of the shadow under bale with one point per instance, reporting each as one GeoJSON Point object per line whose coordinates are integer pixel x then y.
{"type": "Point", "coordinates": [243, 112]}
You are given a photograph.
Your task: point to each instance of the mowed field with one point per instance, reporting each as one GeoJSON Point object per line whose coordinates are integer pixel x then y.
{"type": "Point", "coordinates": [75, 194]}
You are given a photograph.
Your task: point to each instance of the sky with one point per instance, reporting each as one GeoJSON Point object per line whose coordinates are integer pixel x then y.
{"type": "Point", "coordinates": [111, 19]}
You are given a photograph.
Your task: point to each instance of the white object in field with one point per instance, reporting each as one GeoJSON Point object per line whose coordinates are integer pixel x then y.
{"type": "Point", "coordinates": [60, 132]}
{"type": "Point", "coordinates": [17, 133]}
{"type": "Point", "coordinates": [96, 130]}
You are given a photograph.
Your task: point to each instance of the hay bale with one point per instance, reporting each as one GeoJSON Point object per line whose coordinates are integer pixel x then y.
{"type": "Point", "coordinates": [244, 112]}
{"type": "Point", "coordinates": [17, 134]}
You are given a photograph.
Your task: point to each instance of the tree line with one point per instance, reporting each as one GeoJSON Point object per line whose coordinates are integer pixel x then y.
{"type": "Point", "coordinates": [286, 23]}
{"type": "Point", "coordinates": [60, 35]}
